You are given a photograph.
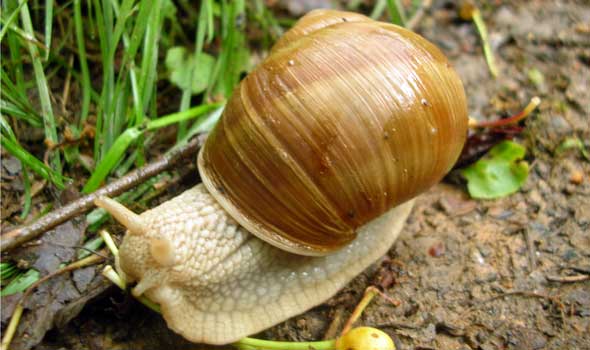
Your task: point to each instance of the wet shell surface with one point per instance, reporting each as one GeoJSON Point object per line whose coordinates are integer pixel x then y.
{"type": "Point", "coordinates": [347, 118]}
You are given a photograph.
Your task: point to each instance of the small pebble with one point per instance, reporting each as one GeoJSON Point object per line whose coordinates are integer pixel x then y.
{"type": "Point", "coordinates": [576, 177]}
{"type": "Point", "coordinates": [437, 249]}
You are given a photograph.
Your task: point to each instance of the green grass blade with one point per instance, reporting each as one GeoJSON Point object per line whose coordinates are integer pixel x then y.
{"type": "Point", "coordinates": [203, 124]}
{"type": "Point", "coordinates": [396, 12]}
{"type": "Point", "coordinates": [7, 271]}
{"type": "Point", "coordinates": [131, 49]}
{"type": "Point", "coordinates": [6, 24]}
{"type": "Point", "coordinates": [14, 102]}
{"type": "Point", "coordinates": [116, 152]}
{"type": "Point", "coordinates": [11, 109]}
{"type": "Point", "coordinates": [234, 56]}
{"type": "Point", "coordinates": [210, 23]}
{"type": "Point", "coordinates": [202, 31]}
{"type": "Point", "coordinates": [378, 9]}
{"type": "Point", "coordinates": [6, 129]}
{"type": "Point", "coordinates": [28, 200]}
{"type": "Point", "coordinates": [181, 116]}
{"type": "Point", "coordinates": [21, 283]}
{"type": "Point", "coordinates": [104, 25]}
{"type": "Point", "coordinates": [268, 23]}
{"type": "Point", "coordinates": [149, 60]}
{"type": "Point", "coordinates": [26, 37]}
{"type": "Point", "coordinates": [35, 164]}
{"type": "Point", "coordinates": [48, 26]}
{"type": "Point", "coordinates": [16, 62]}
{"type": "Point", "coordinates": [141, 21]}
{"type": "Point", "coordinates": [85, 74]}
{"type": "Point", "coordinates": [89, 247]}
{"type": "Point", "coordinates": [43, 90]}
{"type": "Point", "coordinates": [111, 158]}
{"type": "Point", "coordinates": [123, 14]}
{"type": "Point", "coordinates": [487, 49]}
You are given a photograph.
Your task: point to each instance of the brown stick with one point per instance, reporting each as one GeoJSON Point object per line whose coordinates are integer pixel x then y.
{"type": "Point", "coordinates": [568, 279]}
{"type": "Point", "coordinates": [16, 237]}
{"type": "Point", "coordinates": [413, 22]}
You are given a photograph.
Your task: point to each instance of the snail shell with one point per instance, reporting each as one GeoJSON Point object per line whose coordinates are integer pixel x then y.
{"type": "Point", "coordinates": [347, 118]}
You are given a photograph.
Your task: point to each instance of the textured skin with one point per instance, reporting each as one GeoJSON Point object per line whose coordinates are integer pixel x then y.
{"type": "Point", "coordinates": [225, 283]}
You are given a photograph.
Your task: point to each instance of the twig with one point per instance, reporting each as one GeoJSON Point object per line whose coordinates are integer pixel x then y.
{"type": "Point", "coordinates": [66, 90]}
{"type": "Point", "coordinates": [370, 293]}
{"type": "Point", "coordinates": [412, 23]}
{"type": "Point", "coordinates": [73, 266]}
{"type": "Point", "coordinates": [332, 331]}
{"type": "Point", "coordinates": [584, 270]}
{"type": "Point", "coordinates": [18, 310]}
{"type": "Point", "coordinates": [21, 235]}
{"type": "Point", "coordinates": [568, 279]}
{"type": "Point", "coordinates": [530, 249]}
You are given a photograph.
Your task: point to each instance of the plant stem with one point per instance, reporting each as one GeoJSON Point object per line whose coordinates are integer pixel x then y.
{"type": "Point", "coordinates": [11, 329]}
{"type": "Point", "coordinates": [535, 101]}
{"type": "Point", "coordinates": [255, 344]}
{"type": "Point", "coordinates": [487, 50]}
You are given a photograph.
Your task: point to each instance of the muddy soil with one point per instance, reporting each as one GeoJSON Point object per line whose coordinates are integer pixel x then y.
{"type": "Point", "coordinates": [499, 274]}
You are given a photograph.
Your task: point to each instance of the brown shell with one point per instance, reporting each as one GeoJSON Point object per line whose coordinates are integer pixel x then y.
{"type": "Point", "coordinates": [340, 123]}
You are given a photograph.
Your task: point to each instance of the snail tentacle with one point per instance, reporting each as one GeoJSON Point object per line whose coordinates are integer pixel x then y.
{"type": "Point", "coordinates": [120, 212]}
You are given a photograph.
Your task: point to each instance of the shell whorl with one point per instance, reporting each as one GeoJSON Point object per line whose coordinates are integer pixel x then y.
{"type": "Point", "coordinates": [347, 118]}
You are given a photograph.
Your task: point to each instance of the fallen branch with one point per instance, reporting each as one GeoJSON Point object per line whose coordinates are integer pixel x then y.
{"type": "Point", "coordinates": [17, 237]}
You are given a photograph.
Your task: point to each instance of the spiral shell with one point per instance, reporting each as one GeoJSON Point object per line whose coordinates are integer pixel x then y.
{"type": "Point", "coordinates": [345, 119]}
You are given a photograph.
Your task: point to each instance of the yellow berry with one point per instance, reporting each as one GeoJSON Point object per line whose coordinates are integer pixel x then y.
{"type": "Point", "coordinates": [365, 338]}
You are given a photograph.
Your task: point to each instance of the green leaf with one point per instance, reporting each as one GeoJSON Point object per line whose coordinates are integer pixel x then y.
{"type": "Point", "coordinates": [21, 283]}
{"type": "Point", "coordinates": [575, 143]}
{"type": "Point", "coordinates": [7, 271]}
{"type": "Point", "coordinates": [536, 77]}
{"type": "Point", "coordinates": [499, 173]}
{"type": "Point", "coordinates": [179, 64]}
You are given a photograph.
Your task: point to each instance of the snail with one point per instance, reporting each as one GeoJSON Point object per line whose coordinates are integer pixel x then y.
{"type": "Point", "coordinates": [308, 178]}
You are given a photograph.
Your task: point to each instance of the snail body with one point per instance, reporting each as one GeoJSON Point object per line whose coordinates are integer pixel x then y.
{"type": "Point", "coordinates": [307, 178]}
